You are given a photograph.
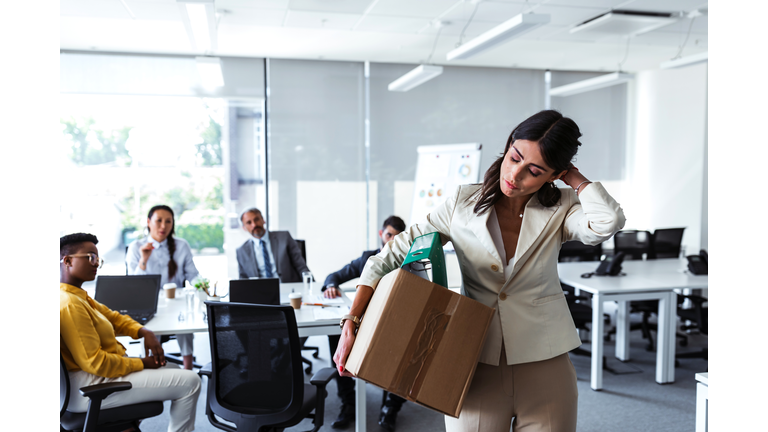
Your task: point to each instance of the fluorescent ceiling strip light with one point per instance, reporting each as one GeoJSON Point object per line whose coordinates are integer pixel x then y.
{"type": "Point", "coordinates": [686, 61]}
{"type": "Point", "coordinates": [591, 84]}
{"type": "Point", "coordinates": [505, 31]}
{"type": "Point", "coordinates": [416, 77]}
{"type": "Point", "coordinates": [198, 19]}
{"type": "Point", "coordinates": [209, 69]}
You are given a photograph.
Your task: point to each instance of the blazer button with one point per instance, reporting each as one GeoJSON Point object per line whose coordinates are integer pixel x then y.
{"type": "Point", "coordinates": [502, 296]}
{"type": "Point", "coordinates": [494, 267]}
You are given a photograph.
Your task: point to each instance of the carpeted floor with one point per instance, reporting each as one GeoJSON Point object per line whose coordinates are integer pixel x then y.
{"type": "Point", "coordinates": [630, 401]}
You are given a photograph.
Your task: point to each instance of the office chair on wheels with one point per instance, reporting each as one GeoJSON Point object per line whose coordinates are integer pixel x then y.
{"type": "Point", "coordinates": [96, 419]}
{"type": "Point", "coordinates": [255, 377]}
{"type": "Point", "coordinates": [315, 350]}
{"type": "Point", "coordinates": [699, 317]}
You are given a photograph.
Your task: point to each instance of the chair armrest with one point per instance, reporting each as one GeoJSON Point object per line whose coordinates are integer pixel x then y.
{"type": "Point", "coordinates": [101, 391]}
{"type": "Point", "coordinates": [206, 370]}
{"type": "Point", "coordinates": [323, 376]}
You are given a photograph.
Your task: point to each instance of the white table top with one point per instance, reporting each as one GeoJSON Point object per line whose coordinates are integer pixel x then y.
{"type": "Point", "coordinates": [703, 377]}
{"type": "Point", "coordinates": [649, 275]}
{"type": "Point", "coordinates": [166, 320]}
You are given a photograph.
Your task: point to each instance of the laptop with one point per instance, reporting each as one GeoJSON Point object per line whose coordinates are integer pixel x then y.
{"type": "Point", "coordinates": [135, 296]}
{"type": "Point", "coordinates": [255, 291]}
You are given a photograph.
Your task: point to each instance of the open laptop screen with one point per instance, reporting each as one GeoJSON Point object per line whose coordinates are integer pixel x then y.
{"type": "Point", "coordinates": [128, 294]}
{"type": "Point", "coordinates": [255, 291]}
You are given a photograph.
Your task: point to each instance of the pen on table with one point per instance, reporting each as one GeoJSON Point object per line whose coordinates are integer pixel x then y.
{"type": "Point", "coordinates": [318, 304]}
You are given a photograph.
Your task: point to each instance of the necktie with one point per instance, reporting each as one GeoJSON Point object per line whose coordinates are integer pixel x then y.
{"type": "Point", "coordinates": [267, 263]}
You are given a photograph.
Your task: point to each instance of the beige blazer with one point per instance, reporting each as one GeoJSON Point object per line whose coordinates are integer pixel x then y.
{"type": "Point", "coordinates": [532, 317]}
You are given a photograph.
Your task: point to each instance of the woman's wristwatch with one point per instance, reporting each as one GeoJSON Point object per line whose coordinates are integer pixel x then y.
{"type": "Point", "coordinates": [354, 319]}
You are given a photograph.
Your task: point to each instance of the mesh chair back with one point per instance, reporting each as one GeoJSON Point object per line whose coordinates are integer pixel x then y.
{"type": "Point", "coordinates": [578, 251]}
{"type": "Point", "coordinates": [63, 387]}
{"type": "Point", "coordinates": [667, 242]}
{"type": "Point", "coordinates": [303, 248]}
{"type": "Point", "coordinates": [633, 243]}
{"type": "Point", "coordinates": [257, 375]}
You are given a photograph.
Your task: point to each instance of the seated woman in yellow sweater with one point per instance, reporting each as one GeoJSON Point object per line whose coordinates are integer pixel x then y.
{"type": "Point", "coordinates": [93, 355]}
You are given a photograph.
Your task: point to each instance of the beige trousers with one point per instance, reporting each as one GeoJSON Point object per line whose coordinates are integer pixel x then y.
{"type": "Point", "coordinates": [180, 386]}
{"type": "Point", "coordinates": [541, 396]}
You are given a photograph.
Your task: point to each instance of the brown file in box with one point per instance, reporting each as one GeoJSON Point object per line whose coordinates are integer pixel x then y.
{"type": "Point", "coordinates": [420, 341]}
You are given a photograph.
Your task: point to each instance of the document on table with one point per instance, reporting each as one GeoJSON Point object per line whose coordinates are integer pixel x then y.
{"type": "Point", "coordinates": [328, 313]}
{"type": "Point", "coordinates": [318, 298]}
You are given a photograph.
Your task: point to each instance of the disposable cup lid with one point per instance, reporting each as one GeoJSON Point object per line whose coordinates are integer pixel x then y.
{"type": "Point", "coordinates": [294, 295]}
{"type": "Point", "coordinates": [169, 285]}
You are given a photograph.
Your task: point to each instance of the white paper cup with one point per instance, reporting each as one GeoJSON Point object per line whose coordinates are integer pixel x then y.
{"type": "Point", "coordinates": [170, 290]}
{"type": "Point", "coordinates": [214, 298]}
{"type": "Point", "coordinates": [295, 300]}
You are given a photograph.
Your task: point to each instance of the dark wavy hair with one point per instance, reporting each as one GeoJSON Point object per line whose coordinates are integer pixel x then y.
{"type": "Point", "coordinates": [558, 139]}
{"type": "Point", "coordinates": [395, 222]}
{"type": "Point", "coordinates": [172, 266]}
{"type": "Point", "coordinates": [71, 242]}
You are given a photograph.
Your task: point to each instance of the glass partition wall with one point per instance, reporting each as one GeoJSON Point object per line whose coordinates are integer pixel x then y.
{"type": "Point", "coordinates": [290, 137]}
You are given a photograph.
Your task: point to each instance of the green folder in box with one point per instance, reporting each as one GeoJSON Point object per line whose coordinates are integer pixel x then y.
{"type": "Point", "coordinates": [427, 251]}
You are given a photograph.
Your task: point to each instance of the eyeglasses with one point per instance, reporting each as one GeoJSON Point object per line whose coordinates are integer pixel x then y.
{"type": "Point", "coordinates": [92, 258]}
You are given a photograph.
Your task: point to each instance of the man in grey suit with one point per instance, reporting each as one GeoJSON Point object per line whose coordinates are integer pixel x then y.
{"type": "Point", "coordinates": [268, 253]}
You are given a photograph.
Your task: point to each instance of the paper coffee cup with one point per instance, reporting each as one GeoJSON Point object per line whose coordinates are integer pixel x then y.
{"type": "Point", "coordinates": [214, 298]}
{"type": "Point", "coordinates": [295, 300]}
{"type": "Point", "coordinates": [170, 290]}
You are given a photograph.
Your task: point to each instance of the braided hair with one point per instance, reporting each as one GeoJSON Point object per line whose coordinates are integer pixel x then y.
{"type": "Point", "coordinates": [172, 266]}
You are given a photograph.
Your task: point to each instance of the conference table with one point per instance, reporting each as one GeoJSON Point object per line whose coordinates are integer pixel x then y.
{"type": "Point", "coordinates": [639, 280]}
{"type": "Point", "coordinates": [172, 318]}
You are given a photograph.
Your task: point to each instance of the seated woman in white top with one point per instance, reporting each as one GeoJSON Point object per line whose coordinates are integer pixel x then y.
{"type": "Point", "coordinates": [161, 253]}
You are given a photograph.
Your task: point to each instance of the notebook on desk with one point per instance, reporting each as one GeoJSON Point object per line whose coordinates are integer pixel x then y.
{"type": "Point", "coordinates": [135, 296]}
{"type": "Point", "coordinates": [255, 291]}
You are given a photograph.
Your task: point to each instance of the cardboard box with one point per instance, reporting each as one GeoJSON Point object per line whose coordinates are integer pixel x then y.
{"type": "Point", "coordinates": [420, 341]}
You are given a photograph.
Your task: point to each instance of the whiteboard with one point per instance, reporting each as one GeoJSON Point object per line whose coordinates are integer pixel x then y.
{"type": "Point", "coordinates": [440, 169]}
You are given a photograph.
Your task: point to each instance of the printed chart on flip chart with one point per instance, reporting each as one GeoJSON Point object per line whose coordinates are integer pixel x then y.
{"type": "Point", "coordinates": [440, 169]}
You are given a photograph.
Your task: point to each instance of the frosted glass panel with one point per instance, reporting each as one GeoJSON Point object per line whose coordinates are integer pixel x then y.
{"type": "Point", "coordinates": [463, 105]}
{"type": "Point", "coordinates": [602, 118]}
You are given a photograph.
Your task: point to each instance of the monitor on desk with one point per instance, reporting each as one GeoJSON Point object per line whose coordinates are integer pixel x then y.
{"type": "Point", "coordinates": [255, 291]}
{"type": "Point", "coordinates": [135, 296]}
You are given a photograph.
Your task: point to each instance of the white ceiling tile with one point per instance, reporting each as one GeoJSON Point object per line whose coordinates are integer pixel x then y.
{"type": "Point", "coordinates": [321, 20]}
{"type": "Point", "coordinates": [336, 6]}
{"type": "Point", "coordinates": [390, 24]}
{"type": "Point", "coordinates": [255, 4]}
{"type": "Point", "coordinates": [253, 17]}
{"type": "Point", "coordinates": [144, 10]}
{"type": "Point", "coordinates": [605, 4]}
{"type": "Point", "coordinates": [93, 8]}
{"type": "Point", "coordinates": [123, 35]}
{"type": "Point", "coordinates": [411, 8]}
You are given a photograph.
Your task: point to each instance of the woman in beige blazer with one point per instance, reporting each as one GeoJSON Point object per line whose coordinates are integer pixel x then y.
{"type": "Point", "coordinates": [507, 233]}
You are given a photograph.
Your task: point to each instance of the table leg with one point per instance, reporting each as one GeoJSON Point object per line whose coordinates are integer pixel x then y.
{"type": "Point", "coordinates": [702, 397]}
{"type": "Point", "coordinates": [597, 342]}
{"type": "Point", "coordinates": [360, 405]}
{"type": "Point", "coordinates": [622, 331]}
{"type": "Point", "coordinates": [665, 348]}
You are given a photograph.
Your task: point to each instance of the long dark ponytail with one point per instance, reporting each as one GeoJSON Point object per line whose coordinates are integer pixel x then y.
{"type": "Point", "coordinates": [172, 266]}
{"type": "Point", "coordinates": [558, 139]}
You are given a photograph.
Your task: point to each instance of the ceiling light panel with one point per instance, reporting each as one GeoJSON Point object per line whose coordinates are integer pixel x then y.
{"type": "Point", "coordinates": [498, 35]}
{"type": "Point", "coordinates": [688, 60]}
{"type": "Point", "coordinates": [415, 77]}
{"type": "Point", "coordinates": [624, 23]}
{"type": "Point", "coordinates": [591, 84]}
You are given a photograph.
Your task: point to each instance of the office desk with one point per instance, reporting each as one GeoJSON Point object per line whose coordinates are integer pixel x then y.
{"type": "Point", "coordinates": [643, 280]}
{"type": "Point", "coordinates": [166, 321]}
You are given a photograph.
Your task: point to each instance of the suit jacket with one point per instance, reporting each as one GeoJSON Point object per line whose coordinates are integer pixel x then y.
{"type": "Point", "coordinates": [350, 271]}
{"type": "Point", "coordinates": [288, 259]}
{"type": "Point", "coordinates": [532, 317]}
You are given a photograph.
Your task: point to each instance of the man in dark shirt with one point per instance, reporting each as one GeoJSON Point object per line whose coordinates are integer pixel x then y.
{"type": "Point", "coordinates": [346, 386]}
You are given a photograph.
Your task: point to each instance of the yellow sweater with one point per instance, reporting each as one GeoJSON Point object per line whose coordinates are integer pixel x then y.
{"type": "Point", "coordinates": [88, 340]}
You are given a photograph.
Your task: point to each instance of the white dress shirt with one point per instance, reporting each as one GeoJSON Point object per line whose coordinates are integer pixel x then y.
{"type": "Point", "coordinates": [260, 256]}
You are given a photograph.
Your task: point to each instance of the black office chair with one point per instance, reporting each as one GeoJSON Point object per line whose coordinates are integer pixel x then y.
{"type": "Point", "coordinates": [698, 316]}
{"type": "Point", "coordinates": [580, 306]}
{"type": "Point", "coordinates": [255, 379]}
{"type": "Point", "coordinates": [666, 243]}
{"type": "Point", "coordinates": [634, 243]}
{"type": "Point", "coordinates": [98, 420]}
{"type": "Point", "coordinates": [315, 350]}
